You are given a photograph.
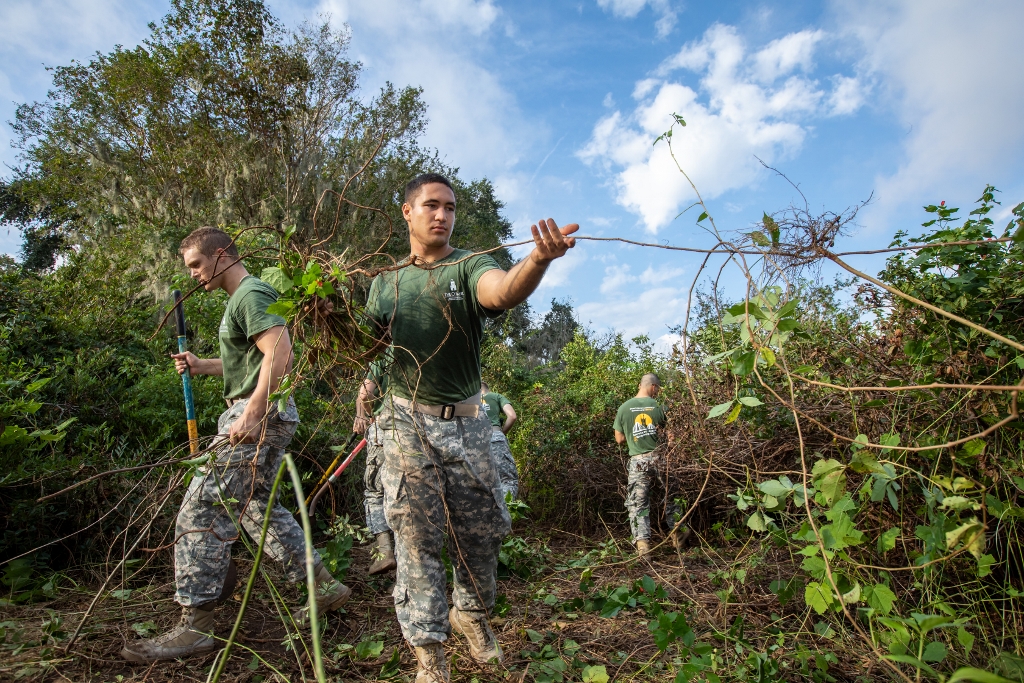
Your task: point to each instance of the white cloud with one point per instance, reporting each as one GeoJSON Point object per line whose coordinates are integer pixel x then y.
{"type": "Point", "coordinates": [748, 104]}
{"type": "Point", "coordinates": [786, 54]}
{"type": "Point", "coordinates": [628, 9]}
{"type": "Point", "coordinates": [474, 121]}
{"type": "Point", "coordinates": [616, 276]}
{"type": "Point", "coordinates": [847, 95]}
{"type": "Point", "coordinates": [953, 74]}
{"type": "Point", "coordinates": [637, 311]}
{"type": "Point", "coordinates": [655, 276]}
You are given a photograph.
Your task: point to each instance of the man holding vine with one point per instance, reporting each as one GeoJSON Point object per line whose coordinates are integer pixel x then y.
{"type": "Point", "coordinates": [439, 475]}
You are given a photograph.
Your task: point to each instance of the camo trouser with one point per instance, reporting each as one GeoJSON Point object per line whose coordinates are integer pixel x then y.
{"type": "Point", "coordinates": [644, 474]}
{"type": "Point", "coordinates": [439, 477]}
{"type": "Point", "coordinates": [373, 487]}
{"type": "Point", "coordinates": [508, 475]}
{"type": "Point", "coordinates": [235, 489]}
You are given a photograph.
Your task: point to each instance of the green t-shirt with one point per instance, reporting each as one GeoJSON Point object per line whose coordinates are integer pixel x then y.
{"type": "Point", "coordinates": [639, 419]}
{"type": "Point", "coordinates": [437, 325]}
{"type": "Point", "coordinates": [245, 317]}
{"type": "Point", "coordinates": [378, 374]}
{"type": "Point", "coordinates": [493, 403]}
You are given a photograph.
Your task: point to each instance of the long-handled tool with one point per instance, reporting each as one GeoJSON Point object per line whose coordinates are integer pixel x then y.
{"type": "Point", "coordinates": [186, 377]}
{"type": "Point", "coordinates": [337, 473]}
{"type": "Point", "coordinates": [330, 468]}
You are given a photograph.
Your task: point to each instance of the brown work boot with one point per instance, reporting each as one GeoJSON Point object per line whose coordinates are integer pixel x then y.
{"type": "Point", "coordinates": [331, 594]}
{"type": "Point", "coordinates": [433, 664]}
{"type": "Point", "coordinates": [643, 547]}
{"type": "Point", "coordinates": [186, 639]}
{"type": "Point", "coordinates": [386, 560]}
{"type": "Point", "coordinates": [475, 627]}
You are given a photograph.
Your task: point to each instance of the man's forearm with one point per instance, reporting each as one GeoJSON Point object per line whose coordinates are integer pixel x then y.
{"type": "Point", "coordinates": [272, 370]}
{"type": "Point", "coordinates": [208, 366]}
{"type": "Point", "coordinates": [519, 283]}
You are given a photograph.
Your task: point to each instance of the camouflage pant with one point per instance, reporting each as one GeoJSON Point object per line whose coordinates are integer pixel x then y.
{"type": "Point", "coordinates": [644, 474]}
{"type": "Point", "coordinates": [207, 521]}
{"type": "Point", "coordinates": [508, 476]}
{"type": "Point", "coordinates": [438, 477]}
{"type": "Point", "coordinates": [373, 487]}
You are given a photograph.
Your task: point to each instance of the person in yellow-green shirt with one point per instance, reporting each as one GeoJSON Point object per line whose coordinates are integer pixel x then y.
{"type": "Point", "coordinates": [637, 424]}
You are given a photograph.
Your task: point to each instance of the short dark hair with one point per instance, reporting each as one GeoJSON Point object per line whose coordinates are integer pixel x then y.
{"type": "Point", "coordinates": [649, 379]}
{"type": "Point", "coordinates": [412, 188]}
{"type": "Point", "coordinates": [208, 240]}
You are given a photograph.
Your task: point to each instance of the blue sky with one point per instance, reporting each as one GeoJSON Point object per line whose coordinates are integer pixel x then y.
{"type": "Point", "coordinates": [558, 103]}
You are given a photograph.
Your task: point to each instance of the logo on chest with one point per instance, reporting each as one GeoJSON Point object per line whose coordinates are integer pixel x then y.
{"type": "Point", "coordinates": [453, 293]}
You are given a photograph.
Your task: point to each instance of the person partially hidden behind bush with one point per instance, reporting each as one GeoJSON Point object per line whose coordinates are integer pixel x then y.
{"type": "Point", "coordinates": [255, 353]}
{"type": "Point", "coordinates": [637, 424]}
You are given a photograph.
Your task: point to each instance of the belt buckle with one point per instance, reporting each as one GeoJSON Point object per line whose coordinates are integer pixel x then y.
{"type": "Point", "coordinates": [448, 411]}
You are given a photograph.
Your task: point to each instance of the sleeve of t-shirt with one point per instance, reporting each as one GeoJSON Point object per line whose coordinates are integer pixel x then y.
{"type": "Point", "coordinates": [502, 402]}
{"type": "Point", "coordinates": [477, 266]}
{"type": "Point", "coordinates": [659, 416]}
{"type": "Point", "coordinates": [618, 422]}
{"type": "Point", "coordinates": [252, 313]}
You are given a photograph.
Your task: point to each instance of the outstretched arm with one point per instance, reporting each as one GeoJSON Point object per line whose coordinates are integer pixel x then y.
{"type": "Point", "coordinates": [500, 291]}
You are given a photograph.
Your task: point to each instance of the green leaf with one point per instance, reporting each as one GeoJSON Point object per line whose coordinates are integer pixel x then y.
{"type": "Point", "coordinates": [282, 308]}
{"type": "Point", "coordinates": [743, 365]}
{"type": "Point", "coordinates": [969, 673]}
{"type": "Point", "coordinates": [985, 563]}
{"type": "Point", "coordinates": [702, 216]}
{"type": "Point", "coordinates": [934, 652]}
{"type": "Point", "coordinates": [830, 479]}
{"type": "Point", "coordinates": [369, 649]}
{"type": "Point", "coordinates": [735, 413]}
{"type": "Point", "coordinates": [966, 639]}
{"type": "Point", "coordinates": [720, 409]}
{"type": "Point", "coordinates": [276, 278]}
{"type": "Point", "coordinates": [760, 239]}
{"type": "Point", "coordinates": [122, 594]}
{"type": "Point", "coordinates": [756, 522]}
{"type": "Point", "coordinates": [768, 355]}
{"type": "Point", "coordinates": [773, 487]}
{"type": "Point", "coordinates": [595, 674]}
{"type": "Point", "coordinates": [880, 597]}
{"type": "Point", "coordinates": [1010, 665]}
{"type": "Point", "coordinates": [37, 385]}
{"type": "Point", "coordinates": [818, 597]}
{"type": "Point", "coordinates": [534, 636]}
{"type": "Point", "coordinates": [887, 541]}
{"type": "Point", "coordinates": [750, 401]}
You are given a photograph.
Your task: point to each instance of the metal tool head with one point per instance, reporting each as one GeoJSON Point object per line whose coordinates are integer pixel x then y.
{"type": "Point", "coordinates": [179, 313]}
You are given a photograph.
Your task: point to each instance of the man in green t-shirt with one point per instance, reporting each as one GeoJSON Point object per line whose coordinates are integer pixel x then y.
{"type": "Point", "coordinates": [502, 415]}
{"type": "Point", "coordinates": [232, 492]}
{"type": "Point", "coordinates": [637, 423]}
{"type": "Point", "coordinates": [438, 471]}
{"type": "Point", "coordinates": [369, 404]}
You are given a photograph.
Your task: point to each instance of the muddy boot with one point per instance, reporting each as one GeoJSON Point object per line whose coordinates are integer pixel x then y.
{"type": "Point", "coordinates": [187, 639]}
{"type": "Point", "coordinates": [433, 664]}
{"type": "Point", "coordinates": [475, 627]}
{"type": "Point", "coordinates": [643, 547]}
{"type": "Point", "coordinates": [331, 594]}
{"type": "Point", "coordinates": [386, 560]}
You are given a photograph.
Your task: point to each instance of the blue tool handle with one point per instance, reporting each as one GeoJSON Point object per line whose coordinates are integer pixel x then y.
{"type": "Point", "coordinates": [186, 377]}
